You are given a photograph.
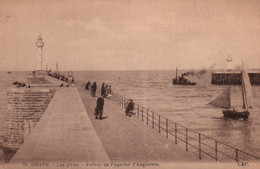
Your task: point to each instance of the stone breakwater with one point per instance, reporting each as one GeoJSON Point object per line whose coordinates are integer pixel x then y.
{"type": "Point", "coordinates": [25, 107]}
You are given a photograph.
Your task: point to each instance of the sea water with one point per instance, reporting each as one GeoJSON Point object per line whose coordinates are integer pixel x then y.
{"type": "Point", "coordinates": [186, 105]}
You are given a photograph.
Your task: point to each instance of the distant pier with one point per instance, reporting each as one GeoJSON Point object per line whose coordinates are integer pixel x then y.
{"type": "Point", "coordinates": [233, 78]}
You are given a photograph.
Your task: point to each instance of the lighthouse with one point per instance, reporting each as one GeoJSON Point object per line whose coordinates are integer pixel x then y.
{"type": "Point", "coordinates": [39, 45]}
{"type": "Point", "coordinates": [229, 61]}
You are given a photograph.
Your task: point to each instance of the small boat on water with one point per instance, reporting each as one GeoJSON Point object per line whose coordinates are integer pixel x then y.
{"type": "Point", "coordinates": [224, 99]}
{"type": "Point", "coordinates": [181, 80]}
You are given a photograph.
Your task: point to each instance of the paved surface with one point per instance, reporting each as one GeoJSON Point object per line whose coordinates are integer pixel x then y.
{"type": "Point", "coordinates": [64, 133]}
{"type": "Point", "coordinates": [54, 81]}
{"type": "Point", "coordinates": [130, 139]}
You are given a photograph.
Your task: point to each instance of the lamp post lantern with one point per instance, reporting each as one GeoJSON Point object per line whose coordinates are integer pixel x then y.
{"type": "Point", "coordinates": [39, 45]}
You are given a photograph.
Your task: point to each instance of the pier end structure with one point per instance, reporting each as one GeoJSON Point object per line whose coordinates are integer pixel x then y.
{"type": "Point", "coordinates": [233, 78]}
{"type": "Point", "coordinates": [38, 77]}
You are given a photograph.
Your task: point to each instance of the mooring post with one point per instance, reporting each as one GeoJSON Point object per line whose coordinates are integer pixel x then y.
{"type": "Point", "coordinates": [117, 100]}
{"type": "Point", "coordinates": [199, 146]}
{"type": "Point", "coordinates": [166, 128]}
{"type": "Point", "coordinates": [120, 99]}
{"type": "Point", "coordinates": [123, 102]}
{"type": "Point", "coordinates": [138, 111]}
{"type": "Point", "coordinates": [216, 150]}
{"type": "Point", "coordinates": [126, 100]}
{"type": "Point", "coordinates": [237, 155]}
{"type": "Point", "coordinates": [186, 139]}
{"type": "Point", "coordinates": [175, 133]}
{"type": "Point", "coordinates": [147, 117]}
{"type": "Point", "coordinates": [159, 125]}
{"type": "Point", "coordinates": [142, 114]}
{"type": "Point", "coordinates": [153, 120]}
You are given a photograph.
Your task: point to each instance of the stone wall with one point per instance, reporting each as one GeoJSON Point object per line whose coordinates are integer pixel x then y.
{"type": "Point", "coordinates": [25, 107]}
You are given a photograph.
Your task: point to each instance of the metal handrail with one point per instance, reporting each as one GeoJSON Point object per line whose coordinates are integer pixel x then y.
{"type": "Point", "coordinates": [164, 124]}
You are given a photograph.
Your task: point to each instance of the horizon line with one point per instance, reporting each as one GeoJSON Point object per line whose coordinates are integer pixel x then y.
{"type": "Point", "coordinates": [132, 70]}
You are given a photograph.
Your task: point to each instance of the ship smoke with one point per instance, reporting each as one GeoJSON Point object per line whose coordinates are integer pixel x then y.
{"type": "Point", "coordinates": [193, 73]}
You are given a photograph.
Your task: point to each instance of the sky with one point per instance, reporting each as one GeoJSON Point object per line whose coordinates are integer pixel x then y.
{"type": "Point", "coordinates": [129, 34]}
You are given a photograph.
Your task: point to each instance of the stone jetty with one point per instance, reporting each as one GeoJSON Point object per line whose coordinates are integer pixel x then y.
{"type": "Point", "coordinates": [64, 134]}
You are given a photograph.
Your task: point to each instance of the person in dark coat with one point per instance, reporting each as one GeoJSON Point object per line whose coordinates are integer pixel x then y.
{"type": "Point", "coordinates": [87, 86]}
{"type": "Point", "coordinates": [99, 108]}
{"type": "Point", "coordinates": [103, 90]}
{"type": "Point", "coordinates": [93, 89]}
{"type": "Point", "coordinates": [129, 108]}
{"type": "Point", "coordinates": [106, 87]}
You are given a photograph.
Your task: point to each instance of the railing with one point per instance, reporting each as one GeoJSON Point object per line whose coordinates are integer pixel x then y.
{"type": "Point", "coordinates": [201, 143]}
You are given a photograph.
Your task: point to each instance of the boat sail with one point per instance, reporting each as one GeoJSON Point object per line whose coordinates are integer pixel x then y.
{"type": "Point", "coordinates": [224, 100]}
{"type": "Point", "coordinates": [246, 90]}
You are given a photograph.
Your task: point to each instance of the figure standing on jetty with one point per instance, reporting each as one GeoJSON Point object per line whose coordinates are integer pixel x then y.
{"type": "Point", "coordinates": [87, 86]}
{"type": "Point", "coordinates": [93, 89]}
{"type": "Point", "coordinates": [103, 90]}
{"type": "Point", "coordinates": [99, 108]}
{"type": "Point", "coordinates": [106, 87]}
{"type": "Point", "coordinates": [109, 92]}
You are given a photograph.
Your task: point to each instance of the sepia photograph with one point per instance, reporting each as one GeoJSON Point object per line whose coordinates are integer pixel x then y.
{"type": "Point", "coordinates": [129, 84]}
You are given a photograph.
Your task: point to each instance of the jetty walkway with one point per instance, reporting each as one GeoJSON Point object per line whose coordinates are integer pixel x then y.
{"type": "Point", "coordinates": [63, 134]}
{"type": "Point", "coordinates": [128, 139]}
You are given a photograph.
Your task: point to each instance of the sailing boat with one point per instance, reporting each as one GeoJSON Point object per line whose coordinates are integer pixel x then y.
{"type": "Point", "coordinates": [224, 100]}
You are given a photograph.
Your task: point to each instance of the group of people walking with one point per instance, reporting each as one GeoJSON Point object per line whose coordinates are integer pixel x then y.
{"type": "Point", "coordinates": [105, 89]}
{"type": "Point", "coordinates": [93, 88]}
{"type": "Point", "coordinates": [106, 92]}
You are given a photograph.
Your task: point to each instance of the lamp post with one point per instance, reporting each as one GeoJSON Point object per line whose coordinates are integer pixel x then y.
{"type": "Point", "coordinates": [40, 45]}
